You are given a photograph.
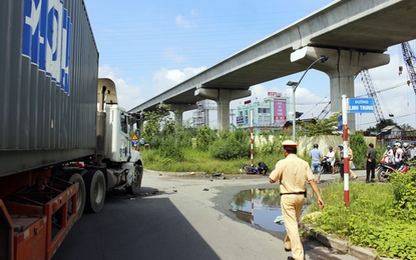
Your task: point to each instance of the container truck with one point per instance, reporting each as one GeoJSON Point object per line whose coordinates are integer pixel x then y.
{"type": "Point", "coordinates": [64, 139]}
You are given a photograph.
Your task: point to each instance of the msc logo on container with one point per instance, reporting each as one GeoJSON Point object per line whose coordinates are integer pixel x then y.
{"type": "Point", "coordinates": [47, 38]}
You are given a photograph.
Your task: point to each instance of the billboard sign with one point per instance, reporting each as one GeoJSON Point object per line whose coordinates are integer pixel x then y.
{"type": "Point", "coordinates": [280, 115]}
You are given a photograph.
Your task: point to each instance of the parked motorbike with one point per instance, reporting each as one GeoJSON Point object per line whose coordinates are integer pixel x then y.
{"type": "Point", "coordinates": [385, 169]}
{"type": "Point", "coordinates": [326, 165]}
{"type": "Point", "coordinates": [327, 168]}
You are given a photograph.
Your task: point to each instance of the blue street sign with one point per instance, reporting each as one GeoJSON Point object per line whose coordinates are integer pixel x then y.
{"type": "Point", "coordinates": [361, 105]}
{"type": "Point", "coordinates": [340, 123]}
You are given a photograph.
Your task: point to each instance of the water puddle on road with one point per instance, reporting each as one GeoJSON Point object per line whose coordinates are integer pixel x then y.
{"type": "Point", "coordinates": [260, 207]}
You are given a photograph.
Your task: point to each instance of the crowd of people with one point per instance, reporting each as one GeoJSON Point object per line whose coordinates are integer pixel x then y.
{"type": "Point", "coordinates": [397, 154]}
{"type": "Point", "coordinates": [316, 155]}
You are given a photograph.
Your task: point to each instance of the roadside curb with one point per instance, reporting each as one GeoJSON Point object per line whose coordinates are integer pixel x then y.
{"type": "Point", "coordinates": [341, 245]}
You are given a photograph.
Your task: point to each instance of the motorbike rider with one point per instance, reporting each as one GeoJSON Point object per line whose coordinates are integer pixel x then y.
{"type": "Point", "coordinates": [413, 151]}
{"type": "Point", "coordinates": [398, 157]}
{"type": "Point", "coordinates": [406, 151]}
{"type": "Point", "coordinates": [388, 155]}
{"type": "Point", "coordinates": [331, 158]}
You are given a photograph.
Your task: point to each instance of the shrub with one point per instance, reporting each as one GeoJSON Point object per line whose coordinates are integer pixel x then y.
{"type": "Point", "coordinates": [378, 216]}
{"type": "Point", "coordinates": [359, 147]}
{"type": "Point", "coordinates": [205, 136]}
{"type": "Point", "coordinates": [229, 149]}
{"type": "Point", "coordinates": [231, 145]}
{"type": "Point", "coordinates": [404, 188]}
{"type": "Point", "coordinates": [170, 150]}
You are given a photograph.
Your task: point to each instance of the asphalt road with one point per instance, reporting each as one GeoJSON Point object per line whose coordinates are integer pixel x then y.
{"type": "Point", "coordinates": [180, 217]}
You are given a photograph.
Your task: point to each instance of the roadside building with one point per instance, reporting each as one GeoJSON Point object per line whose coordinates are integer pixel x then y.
{"type": "Point", "coordinates": [272, 112]}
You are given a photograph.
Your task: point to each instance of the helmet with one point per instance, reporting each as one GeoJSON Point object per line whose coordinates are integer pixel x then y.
{"type": "Point", "coordinates": [388, 146]}
{"type": "Point", "coordinates": [315, 145]}
{"type": "Point", "coordinates": [341, 145]}
{"type": "Point", "coordinates": [398, 144]}
{"type": "Point", "coordinates": [330, 148]}
{"type": "Point", "coordinates": [405, 145]}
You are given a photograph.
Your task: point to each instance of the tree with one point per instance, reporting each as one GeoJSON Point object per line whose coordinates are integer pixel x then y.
{"type": "Point", "coordinates": [325, 126]}
{"type": "Point", "coordinates": [408, 130]}
{"type": "Point", "coordinates": [157, 123]}
{"type": "Point", "coordinates": [407, 127]}
{"type": "Point", "coordinates": [384, 123]}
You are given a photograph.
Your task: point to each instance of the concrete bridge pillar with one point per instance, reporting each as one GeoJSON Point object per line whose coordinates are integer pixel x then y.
{"type": "Point", "coordinates": [222, 97]}
{"type": "Point", "coordinates": [178, 109]}
{"type": "Point", "coordinates": [341, 67]}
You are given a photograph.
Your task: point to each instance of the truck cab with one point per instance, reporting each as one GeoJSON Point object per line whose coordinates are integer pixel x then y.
{"type": "Point", "coordinates": [114, 147]}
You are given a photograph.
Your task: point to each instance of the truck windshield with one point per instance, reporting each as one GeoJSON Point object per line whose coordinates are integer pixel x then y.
{"type": "Point", "coordinates": [123, 123]}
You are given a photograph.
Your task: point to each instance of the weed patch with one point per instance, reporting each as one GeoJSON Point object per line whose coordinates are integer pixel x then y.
{"type": "Point", "coordinates": [379, 216]}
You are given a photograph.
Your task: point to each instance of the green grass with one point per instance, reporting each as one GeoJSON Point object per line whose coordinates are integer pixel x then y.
{"type": "Point", "coordinates": [201, 161]}
{"type": "Point", "coordinates": [370, 220]}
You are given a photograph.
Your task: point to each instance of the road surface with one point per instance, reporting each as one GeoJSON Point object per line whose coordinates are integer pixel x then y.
{"type": "Point", "coordinates": [179, 216]}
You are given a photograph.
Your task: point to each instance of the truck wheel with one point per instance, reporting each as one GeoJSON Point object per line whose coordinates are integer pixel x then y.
{"type": "Point", "coordinates": [96, 187]}
{"type": "Point", "coordinates": [76, 177]}
{"type": "Point", "coordinates": [136, 183]}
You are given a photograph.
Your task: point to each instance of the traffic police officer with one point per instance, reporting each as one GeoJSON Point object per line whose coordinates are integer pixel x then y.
{"type": "Point", "coordinates": [293, 173]}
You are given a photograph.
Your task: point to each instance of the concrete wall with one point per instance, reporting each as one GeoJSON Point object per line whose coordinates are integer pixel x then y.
{"type": "Point", "coordinates": [305, 143]}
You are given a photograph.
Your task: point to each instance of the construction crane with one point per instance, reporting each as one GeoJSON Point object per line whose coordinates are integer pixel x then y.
{"type": "Point", "coordinates": [325, 111]}
{"type": "Point", "coordinates": [371, 92]}
{"type": "Point", "coordinates": [409, 59]}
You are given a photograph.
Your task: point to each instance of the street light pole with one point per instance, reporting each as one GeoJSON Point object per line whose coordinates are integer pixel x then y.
{"type": "Point", "coordinates": [294, 86]}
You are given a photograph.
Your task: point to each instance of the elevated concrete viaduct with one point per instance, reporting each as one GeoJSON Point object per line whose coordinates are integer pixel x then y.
{"type": "Point", "coordinates": [353, 33]}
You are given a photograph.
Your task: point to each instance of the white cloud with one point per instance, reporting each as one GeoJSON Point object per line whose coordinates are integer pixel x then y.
{"type": "Point", "coordinates": [166, 79]}
{"type": "Point", "coordinates": [182, 22]}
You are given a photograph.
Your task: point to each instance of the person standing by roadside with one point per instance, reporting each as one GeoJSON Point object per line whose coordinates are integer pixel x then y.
{"type": "Point", "coordinates": [331, 158]}
{"type": "Point", "coordinates": [371, 163]}
{"type": "Point", "coordinates": [341, 161]}
{"type": "Point", "coordinates": [315, 154]}
{"type": "Point", "coordinates": [350, 155]}
{"type": "Point", "coordinates": [293, 173]}
{"type": "Point", "coordinates": [351, 163]}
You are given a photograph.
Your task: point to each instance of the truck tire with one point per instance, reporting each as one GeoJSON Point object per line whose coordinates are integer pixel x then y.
{"type": "Point", "coordinates": [134, 188]}
{"type": "Point", "coordinates": [95, 190]}
{"type": "Point", "coordinates": [76, 177]}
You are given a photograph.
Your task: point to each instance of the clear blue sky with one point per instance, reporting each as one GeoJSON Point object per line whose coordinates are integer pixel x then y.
{"type": "Point", "coordinates": [147, 47]}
